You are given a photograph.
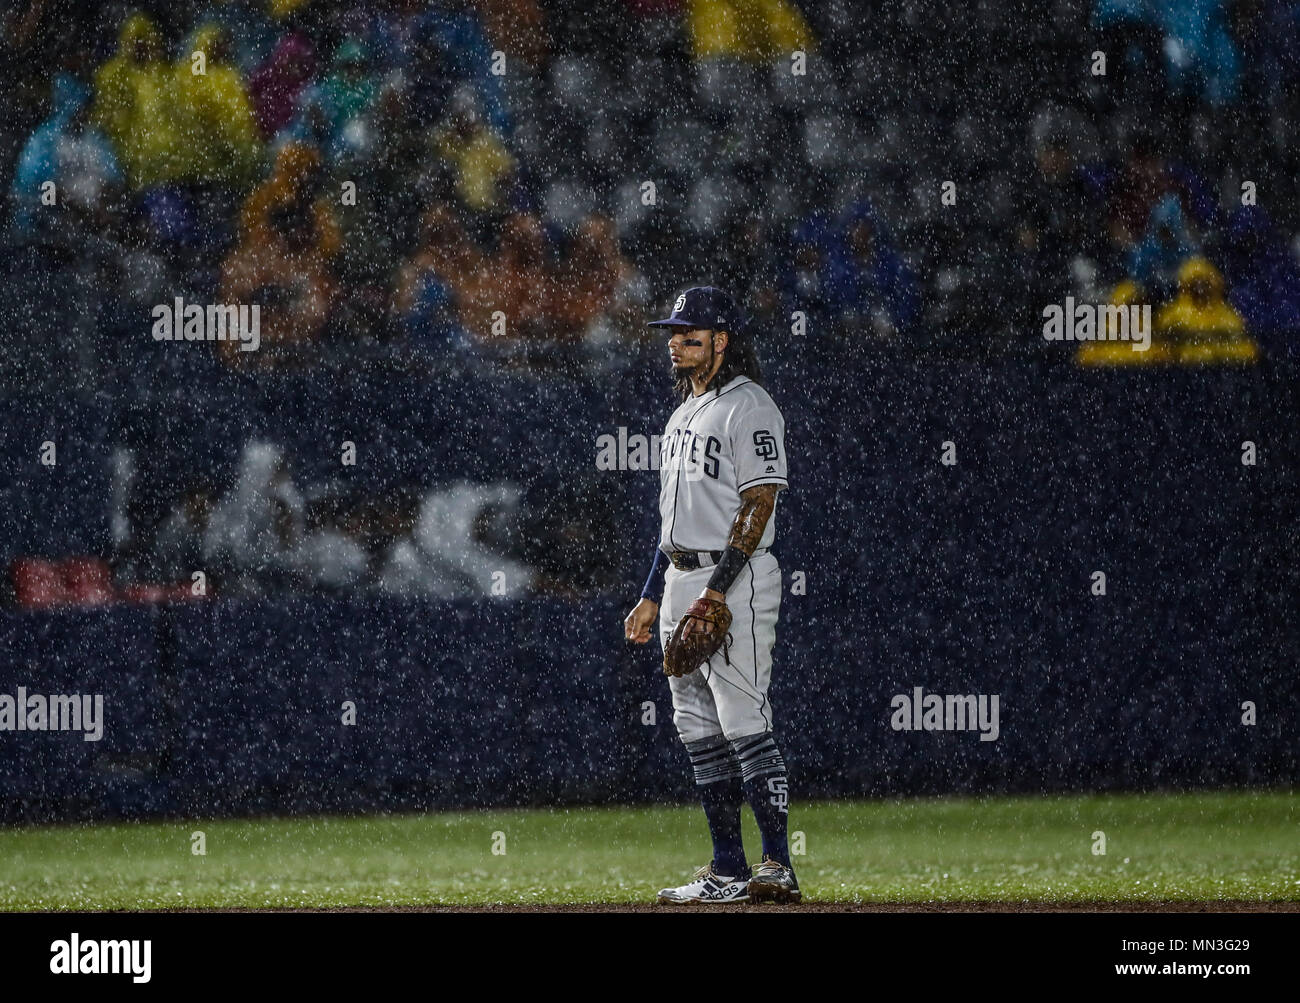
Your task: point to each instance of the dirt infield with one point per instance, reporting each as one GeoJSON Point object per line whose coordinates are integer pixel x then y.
{"type": "Point", "coordinates": [822, 907]}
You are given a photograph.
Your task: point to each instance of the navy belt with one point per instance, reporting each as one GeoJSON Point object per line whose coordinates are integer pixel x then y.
{"type": "Point", "coordinates": [691, 560]}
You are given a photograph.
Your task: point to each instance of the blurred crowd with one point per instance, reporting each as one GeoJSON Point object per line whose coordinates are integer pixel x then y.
{"type": "Point", "coordinates": [519, 183]}
{"type": "Point", "coordinates": [490, 177]}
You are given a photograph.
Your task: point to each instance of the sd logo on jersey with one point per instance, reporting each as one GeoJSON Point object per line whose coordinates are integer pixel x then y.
{"type": "Point", "coordinates": [765, 443]}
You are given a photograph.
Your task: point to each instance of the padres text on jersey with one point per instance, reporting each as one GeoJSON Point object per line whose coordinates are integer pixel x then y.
{"type": "Point", "coordinates": [714, 447]}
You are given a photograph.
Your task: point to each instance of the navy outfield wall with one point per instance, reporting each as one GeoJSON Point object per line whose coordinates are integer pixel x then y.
{"type": "Point", "coordinates": [973, 578]}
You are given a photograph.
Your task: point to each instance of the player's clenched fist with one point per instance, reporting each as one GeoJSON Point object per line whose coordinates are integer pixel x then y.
{"type": "Point", "coordinates": [636, 627]}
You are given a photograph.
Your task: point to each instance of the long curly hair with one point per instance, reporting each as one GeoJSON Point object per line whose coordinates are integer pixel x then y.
{"type": "Point", "coordinates": [738, 359]}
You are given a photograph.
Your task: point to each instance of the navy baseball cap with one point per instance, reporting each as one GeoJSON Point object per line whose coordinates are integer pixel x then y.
{"type": "Point", "coordinates": [702, 306]}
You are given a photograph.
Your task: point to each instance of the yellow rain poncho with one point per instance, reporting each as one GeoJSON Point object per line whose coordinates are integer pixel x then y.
{"type": "Point", "coordinates": [482, 165]}
{"type": "Point", "coordinates": [755, 30]}
{"type": "Point", "coordinates": [214, 113]}
{"type": "Point", "coordinates": [135, 106]}
{"type": "Point", "coordinates": [1199, 325]}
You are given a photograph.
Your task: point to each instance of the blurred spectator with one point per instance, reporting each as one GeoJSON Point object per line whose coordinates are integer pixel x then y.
{"type": "Point", "coordinates": [66, 150]}
{"type": "Point", "coordinates": [516, 28]}
{"type": "Point", "coordinates": [247, 26]}
{"type": "Point", "coordinates": [436, 47]}
{"type": "Point", "coordinates": [1263, 280]}
{"type": "Point", "coordinates": [877, 292]}
{"type": "Point", "coordinates": [255, 528]}
{"type": "Point", "coordinates": [524, 281]}
{"type": "Point", "coordinates": [1199, 325]}
{"type": "Point", "coordinates": [276, 85]}
{"type": "Point", "coordinates": [40, 39]}
{"type": "Point", "coordinates": [1167, 243]}
{"type": "Point", "coordinates": [481, 164]}
{"type": "Point", "coordinates": [288, 238]}
{"type": "Point", "coordinates": [293, 184]}
{"type": "Point", "coordinates": [144, 274]}
{"type": "Point", "coordinates": [806, 282]}
{"type": "Point", "coordinates": [444, 293]}
{"type": "Point", "coordinates": [394, 35]}
{"type": "Point", "coordinates": [135, 106]}
{"type": "Point", "coordinates": [1134, 46]}
{"type": "Point", "coordinates": [453, 30]}
{"type": "Point", "coordinates": [214, 114]}
{"type": "Point", "coordinates": [375, 226]}
{"type": "Point", "coordinates": [1059, 230]}
{"type": "Point", "coordinates": [751, 250]}
{"type": "Point", "coordinates": [282, 9]}
{"type": "Point", "coordinates": [1144, 180]}
{"type": "Point", "coordinates": [1139, 185]}
{"type": "Point", "coordinates": [1200, 55]}
{"type": "Point", "coordinates": [755, 30]}
{"type": "Point", "coordinates": [331, 113]}
{"type": "Point", "coordinates": [599, 297]}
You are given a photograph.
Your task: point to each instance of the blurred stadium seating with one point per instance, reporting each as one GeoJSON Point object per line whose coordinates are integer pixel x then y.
{"type": "Point", "coordinates": [525, 192]}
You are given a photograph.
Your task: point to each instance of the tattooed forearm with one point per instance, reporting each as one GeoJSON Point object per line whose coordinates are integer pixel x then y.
{"type": "Point", "coordinates": [756, 505]}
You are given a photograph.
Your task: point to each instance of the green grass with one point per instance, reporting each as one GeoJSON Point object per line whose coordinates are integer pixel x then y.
{"type": "Point", "coordinates": [1204, 846]}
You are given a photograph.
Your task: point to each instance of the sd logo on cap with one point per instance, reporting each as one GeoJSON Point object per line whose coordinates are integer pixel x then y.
{"type": "Point", "coordinates": [704, 307]}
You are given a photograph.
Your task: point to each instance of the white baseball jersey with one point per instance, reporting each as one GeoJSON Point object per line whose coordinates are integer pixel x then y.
{"type": "Point", "coordinates": [715, 446]}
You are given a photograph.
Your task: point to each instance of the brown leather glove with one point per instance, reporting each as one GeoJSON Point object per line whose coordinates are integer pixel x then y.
{"type": "Point", "coordinates": [687, 652]}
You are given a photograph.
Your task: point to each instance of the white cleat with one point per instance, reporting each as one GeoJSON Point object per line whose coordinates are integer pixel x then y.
{"type": "Point", "coordinates": [706, 886]}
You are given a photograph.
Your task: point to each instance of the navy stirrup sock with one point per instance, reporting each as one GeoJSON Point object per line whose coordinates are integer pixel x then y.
{"type": "Point", "coordinates": [766, 788]}
{"type": "Point", "coordinates": [717, 776]}
{"type": "Point", "coordinates": [722, 801]}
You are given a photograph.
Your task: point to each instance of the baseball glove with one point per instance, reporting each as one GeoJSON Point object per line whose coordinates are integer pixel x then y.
{"type": "Point", "coordinates": [686, 653]}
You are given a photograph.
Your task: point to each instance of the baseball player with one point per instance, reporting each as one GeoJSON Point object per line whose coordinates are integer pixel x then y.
{"type": "Point", "coordinates": [722, 463]}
